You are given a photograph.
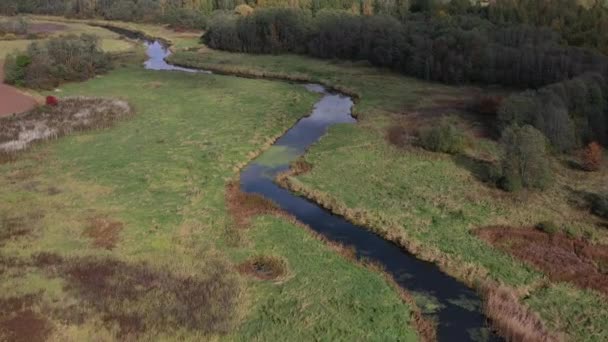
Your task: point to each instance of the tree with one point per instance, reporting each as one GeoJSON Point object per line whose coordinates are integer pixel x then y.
{"type": "Point", "coordinates": [525, 161]}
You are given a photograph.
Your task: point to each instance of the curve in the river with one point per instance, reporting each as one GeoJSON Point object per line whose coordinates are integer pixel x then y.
{"type": "Point", "coordinates": [455, 307]}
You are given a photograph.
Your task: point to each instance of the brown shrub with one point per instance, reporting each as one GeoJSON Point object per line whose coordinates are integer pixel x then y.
{"type": "Point", "coordinates": [300, 167]}
{"type": "Point", "coordinates": [592, 157]}
{"type": "Point", "coordinates": [487, 104]}
{"type": "Point", "coordinates": [264, 267]}
{"type": "Point", "coordinates": [561, 257]}
{"type": "Point", "coordinates": [397, 135]}
{"type": "Point", "coordinates": [104, 232]}
{"type": "Point", "coordinates": [19, 323]}
{"type": "Point", "coordinates": [513, 321]}
{"type": "Point", "coordinates": [12, 227]}
{"type": "Point", "coordinates": [243, 206]}
{"type": "Point", "coordinates": [138, 298]}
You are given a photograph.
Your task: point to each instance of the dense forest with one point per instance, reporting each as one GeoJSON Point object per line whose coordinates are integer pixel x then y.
{"type": "Point", "coordinates": [568, 100]}
{"type": "Point", "coordinates": [580, 22]}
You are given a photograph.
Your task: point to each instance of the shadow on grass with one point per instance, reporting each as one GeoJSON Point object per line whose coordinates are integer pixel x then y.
{"type": "Point", "coordinates": [486, 172]}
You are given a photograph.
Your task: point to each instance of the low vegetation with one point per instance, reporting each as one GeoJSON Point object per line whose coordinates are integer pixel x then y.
{"type": "Point", "coordinates": [71, 114]}
{"type": "Point", "coordinates": [13, 28]}
{"type": "Point", "coordinates": [592, 157]}
{"type": "Point", "coordinates": [562, 258]}
{"type": "Point", "coordinates": [46, 65]}
{"type": "Point", "coordinates": [599, 205]}
{"type": "Point", "coordinates": [264, 267]}
{"type": "Point", "coordinates": [444, 137]}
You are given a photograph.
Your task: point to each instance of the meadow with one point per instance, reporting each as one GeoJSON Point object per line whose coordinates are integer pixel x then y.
{"type": "Point", "coordinates": [124, 233]}
{"type": "Point", "coordinates": [428, 202]}
{"type": "Point", "coordinates": [110, 41]}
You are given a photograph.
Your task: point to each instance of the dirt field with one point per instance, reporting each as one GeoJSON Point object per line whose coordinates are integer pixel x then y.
{"type": "Point", "coordinates": [11, 100]}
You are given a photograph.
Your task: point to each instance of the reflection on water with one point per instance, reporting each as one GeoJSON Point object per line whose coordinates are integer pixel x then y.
{"type": "Point", "coordinates": [455, 307]}
{"type": "Point", "coordinates": [157, 53]}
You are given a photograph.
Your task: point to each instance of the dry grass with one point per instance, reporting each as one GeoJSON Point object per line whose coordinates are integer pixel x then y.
{"type": "Point", "coordinates": [264, 267]}
{"type": "Point", "coordinates": [20, 323]}
{"type": "Point", "coordinates": [136, 297]}
{"type": "Point", "coordinates": [514, 321]}
{"type": "Point", "coordinates": [243, 206]}
{"type": "Point", "coordinates": [561, 257]}
{"type": "Point", "coordinates": [104, 232]}
{"type": "Point", "coordinates": [17, 133]}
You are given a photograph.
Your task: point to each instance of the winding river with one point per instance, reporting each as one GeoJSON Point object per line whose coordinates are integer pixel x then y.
{"type": "Point", "coordinates": [455, 307]}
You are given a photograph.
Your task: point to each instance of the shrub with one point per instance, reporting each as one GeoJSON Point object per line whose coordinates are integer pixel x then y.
{"type": "Point", "coordinates": [488, 104]}
{"type": "Point", "coordinates": [445, 137]}
{"type": "Point", "coordinates": [51, 101]}
{"type": "Point", "coordinates": [243, 10]}
{"type": "Point", "coordinates": [599, 205]}
{"type": "Point", "coordinates": [14, 68]}
{"type": "Point", "coordinates": [548, 227]}
{"type": "Point", "coordinates": [67, 58]}
{"type": "Point", "coordinates": [592, 157]}
{"type": "Point", "coordinates": [16, 26]}
{"type": "Point", "coordinates": [525, 161]}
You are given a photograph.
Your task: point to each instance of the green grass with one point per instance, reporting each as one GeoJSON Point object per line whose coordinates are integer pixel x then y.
{"type": "Point", "coordinates": [110, 41]}
{"type": "Point", "coordinates": [163, 175]}
{"type": "Point", "coordinates": [434, 200]}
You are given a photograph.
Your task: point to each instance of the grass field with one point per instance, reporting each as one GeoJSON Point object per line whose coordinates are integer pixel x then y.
{"type": "Point", "coordinates": [110, 41]}
{"type": "Point", "coordinates": [124, 233]}
{"type": "Point", "coordinates": [433, 201]}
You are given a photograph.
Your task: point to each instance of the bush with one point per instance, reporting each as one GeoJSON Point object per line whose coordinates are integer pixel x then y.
{"type": "Point", "coordinates": [14, 69]}
{"type": "Point", "coordinates": [548, 227]}
{"type": "Point", "coordinates": [15, 26]}
{"type": "Point", "coordinates": [599, 205]}
{"type": "Point", "coordinates": [525, 161]}
{"type": "Point", "coordinates": [445, 137]}
{"type": "Point", "coordinates": [592, 157]}
{"type": "Point", "coordinates": [67, 58]}
{"type": "Point", "coordinates": [243, 10]}
{"type": "Point", "coordinates": [488, 104]}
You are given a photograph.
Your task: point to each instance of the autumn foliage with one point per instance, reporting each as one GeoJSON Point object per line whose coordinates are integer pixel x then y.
{"type": "Point", "coordinates": [51, 101]}
{"type": "Point", "coordinates": [592, 157]}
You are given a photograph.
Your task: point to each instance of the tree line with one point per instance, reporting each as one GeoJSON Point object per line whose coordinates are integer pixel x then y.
{"type": "Point", "coordinates": [458, 49]}
{"type": "Point", "coordinates": [578, 24]}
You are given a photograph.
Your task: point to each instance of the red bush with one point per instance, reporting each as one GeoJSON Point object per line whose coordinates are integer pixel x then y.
{"type": "Point", "coordinates": [51, 101]}
{"type": "Point", "coordinates": [592, 157]}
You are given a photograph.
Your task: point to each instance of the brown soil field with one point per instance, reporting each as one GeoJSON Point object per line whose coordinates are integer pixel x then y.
{"type": "Point", "coordinates": [559, 256]}
{"type": "Point", "coordinates": [12, 101]}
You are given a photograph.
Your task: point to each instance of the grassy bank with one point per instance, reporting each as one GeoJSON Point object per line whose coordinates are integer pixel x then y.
{"type": "Point", "coordinates": [124, 232]}
{"type": "Point", "coordinates": [432, 202]}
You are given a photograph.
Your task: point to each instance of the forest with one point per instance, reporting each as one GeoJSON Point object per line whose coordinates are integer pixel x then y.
{"type": "Point", "coordinates": [567, 100]}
